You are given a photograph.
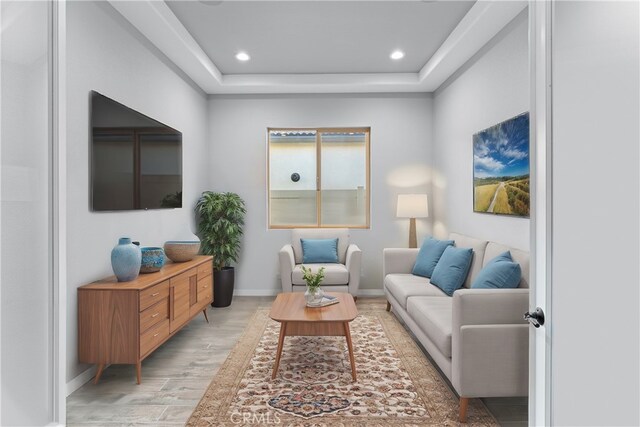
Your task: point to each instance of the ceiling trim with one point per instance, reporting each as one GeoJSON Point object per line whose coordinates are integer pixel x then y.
{"type": "Point", "coordinates": [157, 22]}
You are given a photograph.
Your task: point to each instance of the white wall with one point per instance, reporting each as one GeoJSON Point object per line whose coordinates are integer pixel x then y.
{"type": "Point", "coordinates": [400, 163]}
{"type": "Point", "coordinates": [595, 353]}
{"type": "Point", "coordinates": [343, 166]}
{"type": "Point", "coordinates": [287, 158]}
{"type": "Point", "coordinates": [105, 54]}
{"type": "Point", "coordinates": [492, 87]}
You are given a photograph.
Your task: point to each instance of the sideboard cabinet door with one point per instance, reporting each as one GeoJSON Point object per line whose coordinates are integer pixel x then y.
{"type": "Point", "coordinates": [180, 299]}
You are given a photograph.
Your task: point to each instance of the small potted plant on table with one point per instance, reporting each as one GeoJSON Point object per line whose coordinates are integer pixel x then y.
{"type": "Point", "coordinates": [314, 292]}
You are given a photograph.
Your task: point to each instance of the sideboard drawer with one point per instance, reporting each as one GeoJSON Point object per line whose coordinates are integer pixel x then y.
{"type": "Point", "coordinates": [153, 295]}
{"type": "Point", "coordinates": [205, 291]}
{"type": "Point", "coordinates": [205, 269]}
{"type": "Point", "coordinates": [153, 337]}
{"type": "Point", "coordinates": [154, 314]}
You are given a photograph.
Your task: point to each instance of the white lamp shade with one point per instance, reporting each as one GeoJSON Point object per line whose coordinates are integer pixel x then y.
{"type": "Point", "coordinates": [412, 206]}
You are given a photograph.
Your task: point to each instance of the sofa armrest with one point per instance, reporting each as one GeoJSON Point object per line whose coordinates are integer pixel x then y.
{"type": "Point", "coordinates": [489, 306]}
{"type": "Point", "coordinates": [353, 263]}
{"type": "Point", "coordinates": [287, 264]}
{"type": "Point", "coordinates": [491, 361]}
{"type": "Point", "coordinates": [398, 260]}
{"type": "Point", "coordinates": [490, 342]}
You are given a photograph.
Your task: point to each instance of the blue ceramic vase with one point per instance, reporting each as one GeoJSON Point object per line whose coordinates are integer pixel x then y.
{"type": "Point", "coordinates": [125, 260]}
{"type": "Point", "coordinates": [152, 259]}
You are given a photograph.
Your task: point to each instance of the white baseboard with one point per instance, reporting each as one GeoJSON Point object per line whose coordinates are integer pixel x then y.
{"type": "Point", "coordinates": [274, 292]}
{"type": "Point", "coordinates": [256, 292]}
{"type": "Point", "coordinates": [370, 292]}
{"type": "Point", "coordinates": [80, 380]}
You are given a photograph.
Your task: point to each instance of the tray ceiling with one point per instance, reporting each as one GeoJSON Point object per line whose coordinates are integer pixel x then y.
{"type": "Point", "coordinates": [319, 46]}
{"type": "Point", "coordinates": [315, 37]}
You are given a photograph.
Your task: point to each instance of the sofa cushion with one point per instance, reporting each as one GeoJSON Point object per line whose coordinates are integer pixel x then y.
{"type": "Point", "coordinates": [478, 247]}
{"type": "Point", "coordinates": [334, 274]}
{"type": "Point", "coordinates": [434, 316]}
{"type": "Point", "coordinates": [428, 256]}
{"type": "Point", "coordinates": [320, 233]}
{"type": "Point", "coordinates": [316, 251]}
{"type": "Point", "coordinates": [500, 273]}
{"type": "Point", "coordinates": [519, 256]}
{"type": "Point", "coordinates": [403, 286]}
{"type": "Point", "coordinates": [452, 269]}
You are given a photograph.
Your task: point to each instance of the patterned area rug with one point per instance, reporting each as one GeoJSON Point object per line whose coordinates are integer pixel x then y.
{"type": "Point", "coordinates": [397, 385]}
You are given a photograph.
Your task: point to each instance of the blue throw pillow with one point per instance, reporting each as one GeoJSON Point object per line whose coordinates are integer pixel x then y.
{"type": "Point", "coordinates": [499, 273]}
{"type": "Point", "coordinates": [452, 269]}
{"type": "Point", "coordinates": [428, 256]}
{"type": "Point", "coordinates": [316, 251]}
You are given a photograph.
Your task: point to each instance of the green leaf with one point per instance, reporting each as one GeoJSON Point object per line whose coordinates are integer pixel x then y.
{"type": "Point", "coordinates": [220, 218]}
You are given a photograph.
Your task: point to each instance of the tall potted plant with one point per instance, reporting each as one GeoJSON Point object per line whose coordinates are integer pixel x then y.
{"type": "Point", "coordinates": [220, 221]}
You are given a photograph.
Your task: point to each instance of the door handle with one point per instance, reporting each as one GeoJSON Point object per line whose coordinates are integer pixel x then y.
{"type": "Point", "coordinates": [536, 318]}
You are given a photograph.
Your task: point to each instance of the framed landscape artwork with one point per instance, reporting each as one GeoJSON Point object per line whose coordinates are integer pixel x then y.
{"type": "Point", "coordinates": [501, 168]}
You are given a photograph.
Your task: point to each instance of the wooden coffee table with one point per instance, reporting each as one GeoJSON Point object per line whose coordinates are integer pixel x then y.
{"type": "Point", "coordinates": [296, 319]}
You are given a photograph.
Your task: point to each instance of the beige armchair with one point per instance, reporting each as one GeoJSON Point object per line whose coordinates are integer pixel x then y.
{"type": "Point", "coordinates": [341, 277]}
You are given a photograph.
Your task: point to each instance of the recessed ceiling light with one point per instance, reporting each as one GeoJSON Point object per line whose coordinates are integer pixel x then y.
{"type": "Point", "coordinates": [242, 56]}
{"type": "Point", "coordinates": [397, 54]}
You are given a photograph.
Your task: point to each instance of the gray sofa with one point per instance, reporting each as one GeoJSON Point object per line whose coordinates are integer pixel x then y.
{"type": "Point", "coordinates": [478, 337]}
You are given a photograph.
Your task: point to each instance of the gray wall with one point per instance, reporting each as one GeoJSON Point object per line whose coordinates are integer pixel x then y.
{"type": "Point", "coordinates": [492, 87]}
{"type": "Point", "coordinates": [401, 142]}
{"type": "Point", "coordinates": [596, 114]}
{"type": "Point", "coordinates": [105, 54]}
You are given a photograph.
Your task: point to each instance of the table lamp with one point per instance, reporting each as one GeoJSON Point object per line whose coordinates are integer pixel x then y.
{"type": "Point", "coordinates": [412, 206]}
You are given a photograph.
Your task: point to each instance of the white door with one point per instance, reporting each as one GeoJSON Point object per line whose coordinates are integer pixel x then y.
{"type": "Point", "coordinates": [541, 208]}
{"type": "Point", "coordinates": [26, 263]}
{"type": "Point", "coordinates": [585, 369]}
{"type": "Point", "coordinates": [32, 392]}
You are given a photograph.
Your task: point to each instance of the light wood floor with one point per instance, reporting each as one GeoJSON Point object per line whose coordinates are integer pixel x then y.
{"type": "Point", "coordinates": [176, 375]}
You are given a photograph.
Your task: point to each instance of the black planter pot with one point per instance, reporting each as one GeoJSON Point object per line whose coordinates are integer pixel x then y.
{"type": "Point", "coordinates": [223, 287]}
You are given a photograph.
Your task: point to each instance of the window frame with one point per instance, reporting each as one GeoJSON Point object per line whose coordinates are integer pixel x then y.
{"type": "Point", "coordinates": [319, 131]}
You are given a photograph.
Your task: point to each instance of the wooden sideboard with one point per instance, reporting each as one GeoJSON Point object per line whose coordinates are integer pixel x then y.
{"type": "Point", "coordinates": [124, 322]}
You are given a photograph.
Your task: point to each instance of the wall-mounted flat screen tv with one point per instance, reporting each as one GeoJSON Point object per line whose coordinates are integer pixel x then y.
{"type": "Point", "coordinates": [136, 162]}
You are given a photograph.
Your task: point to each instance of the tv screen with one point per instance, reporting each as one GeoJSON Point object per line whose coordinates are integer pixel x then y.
{"type": "Point", "coordinates": [136, 162]}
